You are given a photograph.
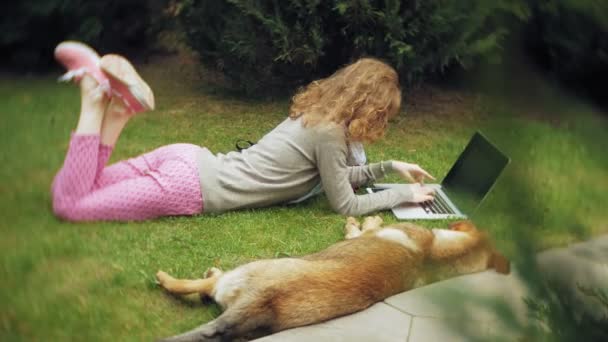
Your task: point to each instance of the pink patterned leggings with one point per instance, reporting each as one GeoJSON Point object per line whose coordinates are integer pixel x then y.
{"type": "Point", "coordinates": [163, 182]}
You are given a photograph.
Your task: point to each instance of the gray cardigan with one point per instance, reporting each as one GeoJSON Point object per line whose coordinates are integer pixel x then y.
{"type": "Point", "coordinates": [286, 164]}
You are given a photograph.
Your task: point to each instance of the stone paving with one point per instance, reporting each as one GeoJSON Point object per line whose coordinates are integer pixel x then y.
{"type": "Point", "coordinates": [464, 308]}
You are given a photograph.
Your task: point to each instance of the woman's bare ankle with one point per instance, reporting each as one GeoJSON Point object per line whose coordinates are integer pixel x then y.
{"type": "Point", "coordinates": [92, 107]}
{"type": "Point", "coordinates": [115, 119]}
{"type": "Point", "coordinates": [118, 108]}
{"type": "Point", "coordinates": [91, 95]}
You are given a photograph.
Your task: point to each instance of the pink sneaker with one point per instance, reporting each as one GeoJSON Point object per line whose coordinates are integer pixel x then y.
{"type": "Point", "coordinates": [79, 59]}
{"type": "Point", "coordinates": [126, 83]}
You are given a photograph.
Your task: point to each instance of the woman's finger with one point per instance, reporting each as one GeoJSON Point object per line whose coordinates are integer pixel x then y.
{"type": "Point", "coordinates": [429, 191]}
{"type": "Point", "coordinates": [428, 175]}
{"type": "Point", "coordinates": [423, 198]}
{"type": "Point", "coordinates": [408, 177]}
{"type": "Point", "coordinates": [428, 198]}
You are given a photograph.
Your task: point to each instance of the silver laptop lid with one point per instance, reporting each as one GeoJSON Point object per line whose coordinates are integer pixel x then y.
{"type": "Point", "coordinates": [474, 173]}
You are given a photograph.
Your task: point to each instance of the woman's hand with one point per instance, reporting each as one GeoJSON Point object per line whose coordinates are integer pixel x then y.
{"type": "Point", "coordinates": [421, 193]}
{"type": "Point", "coordinates": [411, 172]}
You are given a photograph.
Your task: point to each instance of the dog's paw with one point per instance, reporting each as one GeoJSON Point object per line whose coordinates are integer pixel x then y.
{"type": "Point", "coordinates": [212, 272]}
{"type": "Point", "coordinates": [372, 222]}
{"type": "Point", "coordinates": [352, 221]}
{"type": "Point", "coordinates": [162, 277]}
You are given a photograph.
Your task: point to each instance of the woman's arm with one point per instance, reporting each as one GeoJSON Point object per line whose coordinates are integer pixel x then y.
{"type": "Point", "coordinates": [330, 153]}
{"type": "Point", "coordinates": [411, 172]}
{"type": "Point", "coordinates": [361, 175]}
{"type": "Point", "coordinates": [364, 174]}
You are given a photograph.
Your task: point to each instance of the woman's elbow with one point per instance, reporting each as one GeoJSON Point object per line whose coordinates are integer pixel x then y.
{"type": "Point", "coordinates": [346, 210]}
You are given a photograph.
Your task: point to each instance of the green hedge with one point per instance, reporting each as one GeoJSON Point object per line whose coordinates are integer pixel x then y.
{"type": "Point", "coordinates": [570, 38]}
{"type": "Point", "coordinates": [30, 29]}
{"type": "Point", "coordinates": [286, 43]}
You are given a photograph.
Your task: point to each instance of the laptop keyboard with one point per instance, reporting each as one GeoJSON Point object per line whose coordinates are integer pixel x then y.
{"type": "Point", "coordinates": [438, 206]}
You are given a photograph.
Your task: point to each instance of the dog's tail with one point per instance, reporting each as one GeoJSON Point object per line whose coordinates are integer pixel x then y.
{"type": "Point", "coordinates": [499, 263]}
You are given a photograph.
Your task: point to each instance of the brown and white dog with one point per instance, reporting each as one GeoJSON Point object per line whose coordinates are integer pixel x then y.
{"type": "Point", "coordinates": [373, 263]}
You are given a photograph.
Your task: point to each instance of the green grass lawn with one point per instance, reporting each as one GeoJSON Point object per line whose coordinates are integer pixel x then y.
{"type": "Point", "coordinates": [94, 281]}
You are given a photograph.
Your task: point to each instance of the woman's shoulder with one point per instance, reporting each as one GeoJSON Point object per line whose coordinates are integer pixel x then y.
{"type": "Point", "coordinates": [297, 125]}
{"type": "Point", "coordinates": [330, 130]}
{"type": "Point", "coordinates": [308, 137]}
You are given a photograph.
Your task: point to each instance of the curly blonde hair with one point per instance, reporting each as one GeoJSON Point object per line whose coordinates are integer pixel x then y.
{"type": "Point", "coordinates": [363, 96]}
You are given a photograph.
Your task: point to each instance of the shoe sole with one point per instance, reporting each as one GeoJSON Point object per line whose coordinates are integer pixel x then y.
{"type": "Point", "coordinates": [88, 53]}
{"type": "Point", "coordinates": [120, 70]}
{"type": "Point", "coordinates": [70, 44]}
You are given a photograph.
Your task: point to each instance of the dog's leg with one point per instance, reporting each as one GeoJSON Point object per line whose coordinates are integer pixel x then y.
{"type": "Point", "coordinates": [207, 332]}
{"type": "Point", "coordinates": [451, 243]}
{"type": "Point", "coordinates": [235, 322]}
{"type": "Point", "coordinates": [209, 273]}
{"type": "Point", "coordinates": [372, 222]}
{"type": "Point", "coordinates": [212, 272]}
{"type": "Point", "coordinates": [186, 286]}
{"type": "Point", "coordinates": [351, 228]}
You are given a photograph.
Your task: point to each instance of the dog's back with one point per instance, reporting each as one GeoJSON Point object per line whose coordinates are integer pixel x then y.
{"type": "Point", "coordinates": [372, 264]}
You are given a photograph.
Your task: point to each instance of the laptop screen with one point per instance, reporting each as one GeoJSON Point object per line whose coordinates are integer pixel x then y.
{"type": "Point", "coordinates": [474, 173]}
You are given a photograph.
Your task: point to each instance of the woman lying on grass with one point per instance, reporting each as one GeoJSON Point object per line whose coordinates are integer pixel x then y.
{"type": "Point", "coordinates": [307, 149]}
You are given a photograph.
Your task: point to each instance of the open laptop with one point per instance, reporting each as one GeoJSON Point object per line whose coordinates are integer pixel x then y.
{"type": "Point", "coordinates": [464, 187]}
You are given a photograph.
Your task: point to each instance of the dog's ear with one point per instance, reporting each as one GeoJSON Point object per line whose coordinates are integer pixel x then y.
{"type": "Point", "coordinates": [499, 263]}
{"type": "Point", "coordinates": [463, 226]}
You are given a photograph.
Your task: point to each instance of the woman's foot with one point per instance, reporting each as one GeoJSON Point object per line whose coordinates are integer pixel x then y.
{"type": "Point", "coordinates": [126, 84]}
{"type": "Point", "coordinates": [115, 119]}
{"type": "Point", "coordinates": [91, 96]}
{"type": "Point", "coordinates": [80, 59]}
{"type": "Point", "coordinates": [93, 106]}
